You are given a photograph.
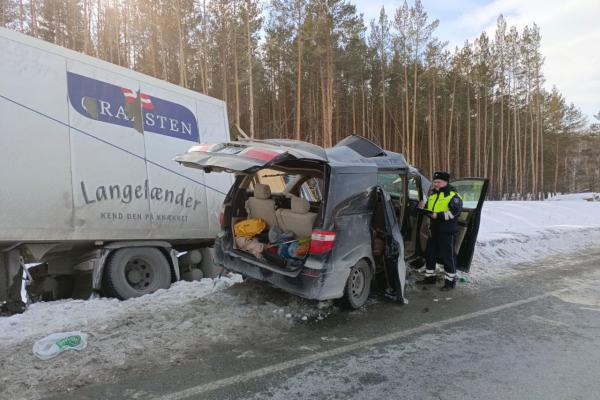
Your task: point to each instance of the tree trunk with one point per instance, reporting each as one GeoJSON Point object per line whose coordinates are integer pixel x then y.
{"type": "Point", "coordinates": [449, 146]}
{"type": "Point", "coordinates": [21, 17]}
{"type": "Point", "coordinates": [407, 116]}
{"type": "Point", "coordinates": [236, 77]}
{"type": "Point", "coordinates": [383, 93]}
{"type": "Point", "coordinates": [430, 131]}
{"type": "Point", "coordinates": [492, 151]}
{"type": "Point", "coordinates": [414, 110]}
{"type": "Point", "coordinates": [353, 111]}
{"type": "Point", "coordinates": [250, 77]}
{"type": "Point", "coordinates": [556, 161]}
{"type": "Point", "coordinates": [468, 147]}
{"type": "Point", "coordinates": [33, 15]}
{"type": "Point", "coordinates": [485, 135]}
{"type": "Point", "coordinates": [363, 105]}
{"type": "Point", "coordinates": [299, 80]}
{"type": "Point", "coordinates": [501, 158]}
{"type": "Point", "coordinates": [182, 63]}
{"type": "Point", "coordinates": [477, 160]}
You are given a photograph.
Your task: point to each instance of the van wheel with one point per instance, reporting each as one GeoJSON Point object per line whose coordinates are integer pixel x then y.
{"type": "Point", "coordinates": [135, 271]}
{"type": "Point", "coordinates": [358, 285]}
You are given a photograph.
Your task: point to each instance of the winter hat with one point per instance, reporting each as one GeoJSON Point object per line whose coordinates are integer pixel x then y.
{"type": "Point", "coordinates": [444, 176]}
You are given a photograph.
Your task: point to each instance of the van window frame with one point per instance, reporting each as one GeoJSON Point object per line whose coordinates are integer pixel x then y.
{"type": "Point", "coordinates": [402, 200]}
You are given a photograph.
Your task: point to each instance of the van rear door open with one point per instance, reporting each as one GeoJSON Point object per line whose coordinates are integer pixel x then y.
{"type": "Point", "coordinates": [243, 156]}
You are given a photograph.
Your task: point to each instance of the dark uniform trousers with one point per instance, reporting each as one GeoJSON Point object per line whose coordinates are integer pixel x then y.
{"type": "Point", "coordinates": [441, 249]}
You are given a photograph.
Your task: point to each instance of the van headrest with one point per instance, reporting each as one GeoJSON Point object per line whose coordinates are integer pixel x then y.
{"type": "Point", "coordinates": [262, 191]}
{"type": "Point", "coordinates": [300, 205]}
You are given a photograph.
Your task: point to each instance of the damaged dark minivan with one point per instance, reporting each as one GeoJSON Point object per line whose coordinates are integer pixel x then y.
{"type": "Point", "coordinates": [349, 212]}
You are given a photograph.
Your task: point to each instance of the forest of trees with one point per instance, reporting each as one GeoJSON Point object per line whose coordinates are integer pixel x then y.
{"type": "Point", "coordinates": [313, 70]}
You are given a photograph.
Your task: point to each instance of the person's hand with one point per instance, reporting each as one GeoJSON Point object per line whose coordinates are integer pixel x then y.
{"type": "Point", "coordinates": [421, 205]}
{"type": "Point", "coordinates": [433, 215]}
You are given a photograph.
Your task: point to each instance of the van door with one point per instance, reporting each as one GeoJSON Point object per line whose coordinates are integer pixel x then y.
{"type": "Point", "coordinates": [393, 181]}
{"type": "Point", "coordinates": [473, 192]}
{"type": "Point", "coordinates": [393, 252]}
{"type": "Point", "coordinates": [416, 228]}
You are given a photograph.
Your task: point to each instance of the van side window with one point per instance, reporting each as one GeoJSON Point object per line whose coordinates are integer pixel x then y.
{"type": "Point", "coordinates": [312, 190]}
{"type": "Point", "coordinates": [276, 180]}
{"type": "Point", "coordinates": [413, 189]}
{"type": "Point", "coordinates": [391, 182]}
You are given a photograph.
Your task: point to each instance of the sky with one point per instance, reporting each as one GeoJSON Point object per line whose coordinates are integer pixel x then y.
{"type": "Point", "coordinates": [570, 32]}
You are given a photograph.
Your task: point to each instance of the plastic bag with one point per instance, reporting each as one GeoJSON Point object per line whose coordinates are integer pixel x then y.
{"type": "Point", "coordinates": [297, 249]}
{"type": "Point", "coordinates": [276, 235]}
{"type": "Point", "coordinates": [252, 246]}
{"type": "Point", "coordinates": [54, 344]}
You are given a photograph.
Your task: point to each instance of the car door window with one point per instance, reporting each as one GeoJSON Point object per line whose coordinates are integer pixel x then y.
{"type": "Point", "coordinates": [413, 190]}
{"type": "Point", "coordinates": [469, 191]}
{"type": "Point", "coordinates": [391, 182]}
{"type": "Point", "coordinates": [311, 190]}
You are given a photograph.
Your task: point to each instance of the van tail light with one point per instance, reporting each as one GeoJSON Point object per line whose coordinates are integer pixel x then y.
{"type": "Point", "coordinates": [321, 242]}
{"type": "Point", "coordinates": [222, 216]}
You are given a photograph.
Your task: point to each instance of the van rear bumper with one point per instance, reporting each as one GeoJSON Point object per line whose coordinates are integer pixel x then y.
{"type": "Point", "coordinates": [294, 282]}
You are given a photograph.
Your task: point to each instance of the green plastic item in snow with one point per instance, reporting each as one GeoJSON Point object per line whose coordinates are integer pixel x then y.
{"type": "Point", "coordinates": [70, 341]}
{"type": "Point", "coordinates": [54, 344]}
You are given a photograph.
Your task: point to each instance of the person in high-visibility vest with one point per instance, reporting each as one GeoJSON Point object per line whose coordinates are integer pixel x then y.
{"type": "Point", "coordinates": [443, 207]}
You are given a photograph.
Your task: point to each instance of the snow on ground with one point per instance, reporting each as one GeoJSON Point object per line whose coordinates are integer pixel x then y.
{"type": "Point", "coordinates": [516, 232]}
{"type": "Point", "coordinates": [165, 328]}
{"type": "Point", "coordinates": [171, 326]}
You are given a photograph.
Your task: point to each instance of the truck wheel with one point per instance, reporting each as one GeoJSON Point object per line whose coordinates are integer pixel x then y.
{"type": "Point", "coordinates": [135, 271]}
{"type": "Point", "coordinates": [358, 286]}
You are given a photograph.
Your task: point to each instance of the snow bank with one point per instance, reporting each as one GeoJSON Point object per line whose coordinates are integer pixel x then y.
{"type": "Point", "coordinates": [590, 196]}
{"type": "Point", "coordinates": [165, 328]}
{"type": "Point", "coordinates": [83, 314]}
{"type": "Point", "coordinates": [516, 232]}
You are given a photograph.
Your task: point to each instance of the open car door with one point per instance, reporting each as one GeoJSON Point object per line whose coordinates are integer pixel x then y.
{"type": "Point", "coordinates": [393, 257]}
{"type": "Point", "coordinates": [247, 155]}
{"type": "Point", "coordinates": [473, 192]}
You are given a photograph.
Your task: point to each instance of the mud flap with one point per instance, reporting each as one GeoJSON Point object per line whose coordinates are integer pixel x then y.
{"type": "Point", "coordinates": [12, 269]}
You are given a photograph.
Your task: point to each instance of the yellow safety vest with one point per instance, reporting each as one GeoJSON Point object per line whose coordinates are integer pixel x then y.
{"type": "Point", "coordinates": [439, 202]}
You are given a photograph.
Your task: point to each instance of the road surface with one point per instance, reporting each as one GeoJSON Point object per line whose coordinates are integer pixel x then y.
{"type": "Point", "coordinates": [534, 334]}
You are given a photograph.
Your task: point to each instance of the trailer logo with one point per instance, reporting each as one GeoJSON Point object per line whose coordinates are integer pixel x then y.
{"type": "Point", "coordinates": [117, 105]}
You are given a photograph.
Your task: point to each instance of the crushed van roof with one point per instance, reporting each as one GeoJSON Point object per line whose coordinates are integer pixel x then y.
{"type": "Point", "coordinates": [352, 149]}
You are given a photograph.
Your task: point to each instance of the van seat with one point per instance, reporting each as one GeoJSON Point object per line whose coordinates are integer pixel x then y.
{"type": "Point", "coordinates": [298, 219]}
{"type": "Point", "coordinates": [261, 205]}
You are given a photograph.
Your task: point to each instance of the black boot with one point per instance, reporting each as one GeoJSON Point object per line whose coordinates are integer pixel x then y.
{"type": "Point", "coordinates": [448, 285]}
{"type": "Point", "coordinates": [428, 280]}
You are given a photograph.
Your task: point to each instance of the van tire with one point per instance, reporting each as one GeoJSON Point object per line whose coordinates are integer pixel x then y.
{"type": "Point", "coordinates": [358, 285]}
{"type": "Point", "coordinates": [135, 271]}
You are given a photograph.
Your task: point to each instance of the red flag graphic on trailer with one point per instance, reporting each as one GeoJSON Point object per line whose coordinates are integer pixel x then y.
{"type": "Point", "coordinates": [129, 94]}
{"type": "Point", "coordinates": [146, 102]}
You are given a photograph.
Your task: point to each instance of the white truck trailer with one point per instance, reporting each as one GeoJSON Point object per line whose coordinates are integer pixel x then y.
{"type": "Point", "coordinates": [88, 185]}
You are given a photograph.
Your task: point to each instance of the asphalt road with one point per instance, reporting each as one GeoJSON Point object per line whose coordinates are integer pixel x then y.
{"type": "Point", "coordinates": [532, 335]}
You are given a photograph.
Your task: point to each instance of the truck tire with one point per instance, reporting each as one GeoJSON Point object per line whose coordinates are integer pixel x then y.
{"type": "Point", "coordinates": [358, 286]}
{"type": "Point", "coordinates": [135, 271]}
